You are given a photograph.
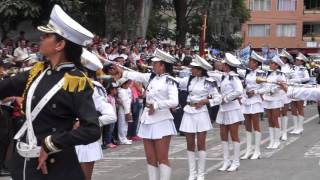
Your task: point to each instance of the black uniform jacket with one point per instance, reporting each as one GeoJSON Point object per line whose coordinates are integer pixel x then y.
{"type": "Point", "coordinates": [73, 101]}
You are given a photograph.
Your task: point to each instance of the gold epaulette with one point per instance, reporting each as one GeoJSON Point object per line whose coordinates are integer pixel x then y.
{"type": "Point", "coordinates": [75, 83]}
{"type": "Point", "coordinates": [36, 69]}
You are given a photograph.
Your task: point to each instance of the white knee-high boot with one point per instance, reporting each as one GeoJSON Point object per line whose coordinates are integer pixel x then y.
{"type": "Point", "coordinates": [276, 143]}
{"type": "Point", "coordinates": [300, 124]}
{"type": "Point", "coordinates": [236, 157]}
{"type": "Point", "coordinates": [257, 152]}
{"type": "Point", "coordinates": [284, 136]}
{"type": "Point", "coordinates": [153, 172]}
{"type": "Point", "coordinates": [201, 165]}
{"type": "Point", "coordinates": [249, 146]}
{"type": "Point", "coordinates": [165, 172]}
{"type": "Point", "coordinates": [295, 125]}
{"type": "Point", "coordinates": [271, 135]}
{"type": "Point", "coordinates": [226, 160]}
{"type": "Point", "coordinates": [192, 165]}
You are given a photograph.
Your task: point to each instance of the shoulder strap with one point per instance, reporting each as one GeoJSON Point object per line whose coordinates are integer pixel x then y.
{"type": "Point", "coordinates": [189, 81]}
{"type": "Point", "coordinates": [150, 79]}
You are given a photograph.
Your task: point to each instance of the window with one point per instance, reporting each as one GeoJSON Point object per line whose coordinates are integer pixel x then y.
{"type": "Point", "coordinates": [287, 5]}
{"type": "Point", "coordinates": [259, 30]}
{"type": "Point", "coordinates": [311, 29]}
{"type": "Point", "coordinates": [286, 30]}
{"type": "Point", "coordinates": [260, 5]}
{"type": "Point", "coordinates": [311, 4]}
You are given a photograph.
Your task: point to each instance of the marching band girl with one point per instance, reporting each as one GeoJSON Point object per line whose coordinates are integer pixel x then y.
{"type": "Point", "coordinates": [88, 154]}
{"type": "Point", "coordinates": [196, 121]}
{"type": "Point", "coordinates": [252, 106]}
{"type": "Point", "coordinates": [157, 124]}
{"type": "Point", "coordinates": [230, 114]}
{"type": "Point", "coordinates": [299, 75]}
{"type": "Point", "coordinates": [273, 102]}
{"type": "Point", "coordinates": [287, 70]}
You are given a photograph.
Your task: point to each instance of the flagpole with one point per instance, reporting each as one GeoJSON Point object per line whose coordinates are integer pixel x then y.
{"type": "Point", "coordinates": [203, 36]}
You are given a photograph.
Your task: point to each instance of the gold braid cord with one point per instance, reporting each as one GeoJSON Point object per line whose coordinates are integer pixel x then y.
{"type": "Point", "coordinates": [75, 83]}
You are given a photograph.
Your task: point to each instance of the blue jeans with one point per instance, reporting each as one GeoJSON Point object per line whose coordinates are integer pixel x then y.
{"type": "Point", "coordinates": [135, 109]}
{"type": "Point", "coordinates": [108, 132]}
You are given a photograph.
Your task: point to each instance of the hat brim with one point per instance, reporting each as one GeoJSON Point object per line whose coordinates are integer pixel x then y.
{"type": "Point", "coordinates": [194, 64]}
{"type": "Point", "coordinates": [155, 59]}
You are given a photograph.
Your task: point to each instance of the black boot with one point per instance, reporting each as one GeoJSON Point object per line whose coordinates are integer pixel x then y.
{"type": "Point", "coordinates": [319, 113]}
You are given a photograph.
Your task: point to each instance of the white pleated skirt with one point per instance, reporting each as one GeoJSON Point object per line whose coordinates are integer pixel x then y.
{"type": "Point", "coordinates": [89, 153]}
{"type": "Point", "coordinates": [229, 117]}
{"type": "Point", "coordinates": [157, 130]}
{"type": "Point", "coordinates": [286, 100]}
{"type": "Point", "coordinates": [272, 104]}
{"type": "Point", "coordinates": [195, 122]}
{"type": "Point", "coordinates": [252, 108]}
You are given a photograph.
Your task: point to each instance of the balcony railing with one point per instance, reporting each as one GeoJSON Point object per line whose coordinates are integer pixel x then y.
{"type": "Point", "coordinates": [311, 38]}
{"type": "Point", "coordinates": [311, 11]}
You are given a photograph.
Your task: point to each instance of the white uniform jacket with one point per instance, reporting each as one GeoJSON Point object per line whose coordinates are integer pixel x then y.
{"type": "Point", "coordinates": [200, 88]}
{"type": "Point", "coordinates": [105, 109]}
{"type": "Point", "coordinates": [251, 85]}
{"type": "Point", "coordinates": [231, 90]}
{"type": "Point", "coordinates": [161, 91]}
{"type": "Point", "coordinates": [299, 75]}
{"type": "Point", "coordinates": [273, 93]}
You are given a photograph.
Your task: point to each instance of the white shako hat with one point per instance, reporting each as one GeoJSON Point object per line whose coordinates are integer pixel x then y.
{"type": "Point", "coordinates": [90, 60]}
{"type": "Point", "coordinates": [160, 55]}
{"type": "Point", "coordinates": [302, 57]}
{"type": "Point", "coordinates": [285, 54]}
{"type": "Point", "coordinates": [276, 59]}
{"type": "Point", "coordinates": [121, 81]}
{"type": "Point", "coordinates": [200, 62]}
{"type": "Point", "coordinates": [257, 57]}
{"type": "Point", "coordinates": [231, 60]}
{"type": "Point", "coordinates": [66, 27]}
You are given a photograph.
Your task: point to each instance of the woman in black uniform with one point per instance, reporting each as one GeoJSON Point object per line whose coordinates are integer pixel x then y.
{"type": "Point", "coordinates": [55, 93]}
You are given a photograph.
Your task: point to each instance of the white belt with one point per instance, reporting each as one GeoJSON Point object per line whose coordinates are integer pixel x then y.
{"type": "Point", "coordinates": [30, 148]}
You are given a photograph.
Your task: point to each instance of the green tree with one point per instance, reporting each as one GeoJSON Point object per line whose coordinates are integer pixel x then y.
{"type": "Point", "coordinates": [12, 12]}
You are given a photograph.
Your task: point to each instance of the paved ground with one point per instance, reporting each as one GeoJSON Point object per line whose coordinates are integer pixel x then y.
{"type": "Point", "coordinates": [296, 159]}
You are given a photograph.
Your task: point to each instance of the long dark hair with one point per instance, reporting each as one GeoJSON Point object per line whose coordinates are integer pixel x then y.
{"type": "Point", "coordinates": [72, 51]}
{"type": "Point", "coordinates": [91, 74]}
{"type": "Point", "coordinates": [203, 72]}
{"type": "Point", "coordinates": [168, 67]}
{"type": "Point", "coordinates": [232, 68]}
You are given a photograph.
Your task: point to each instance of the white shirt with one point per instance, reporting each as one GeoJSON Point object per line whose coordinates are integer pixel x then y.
{"type": "Point", "coordinates": [162, 92]}
{"type": "Point", "coordinates": [251, 85]}
{"type": "Point", "coordinates": [200, 88]}
{"type": "Point", "coordinates": [19, 53]}
{"type": "Point", "coordinates": [272, 89]}
{"type": "Point", "coordinates": [230, 88]}
{"type": "Point", "coordinates": [299, 75]}
{"type": "Point", "coordinates": [125, 99]}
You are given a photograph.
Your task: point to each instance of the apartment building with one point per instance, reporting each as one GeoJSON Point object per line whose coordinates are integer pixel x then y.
{"type": "Point", "coordinates": [291, 24]}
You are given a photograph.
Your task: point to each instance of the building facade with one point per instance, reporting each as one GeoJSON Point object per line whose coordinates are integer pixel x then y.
{"type": "Point", "coordinates": [291, 24]}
